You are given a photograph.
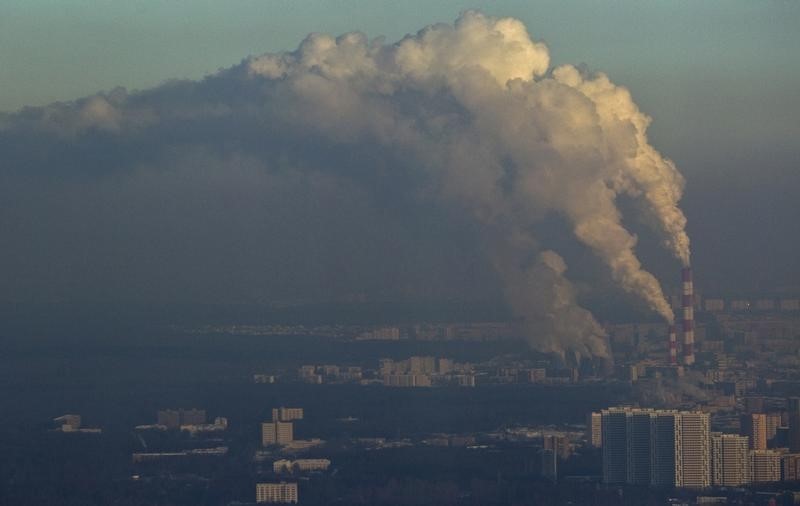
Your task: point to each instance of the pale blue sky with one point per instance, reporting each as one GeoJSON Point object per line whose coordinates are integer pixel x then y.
{"type": "Point", "coordinates": [730, 59]}
{"type": "Point", "coordinates": [60, 49]}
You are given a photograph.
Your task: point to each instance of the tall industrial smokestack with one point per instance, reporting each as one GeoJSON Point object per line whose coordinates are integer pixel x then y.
{"type": "Point", "coordinates": [688, 316]}
{"type": "Point", "coordinates": [673, 346]}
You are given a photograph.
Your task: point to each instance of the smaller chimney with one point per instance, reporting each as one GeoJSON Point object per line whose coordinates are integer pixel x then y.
{"type": "Point", "coordinates": [673, 346]}
{"type": "Point", "coordinates": [688, 316]}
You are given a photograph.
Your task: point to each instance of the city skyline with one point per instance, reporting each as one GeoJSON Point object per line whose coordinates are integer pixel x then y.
{"type": "Point", "coordinates": [463, 253]}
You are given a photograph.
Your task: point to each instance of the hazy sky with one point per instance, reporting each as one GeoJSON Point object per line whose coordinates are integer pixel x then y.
{"type": "Point", "coordinates": [719, 78]}
{"type": "Point", "coordinates": [731, 51]}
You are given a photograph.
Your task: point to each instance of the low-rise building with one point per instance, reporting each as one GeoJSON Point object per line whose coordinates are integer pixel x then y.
{"type": "Point", "coordinates": [174, 418]}
{"type": "Point", "coordinates": [286, 414]}
{"type": "Point", "coordinates": [290, 466]}
{"type": "Point", "coordinates": [277, 493]}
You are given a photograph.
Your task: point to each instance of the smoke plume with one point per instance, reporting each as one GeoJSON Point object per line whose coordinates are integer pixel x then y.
{"type": "Point", "coordinates": [470, 116]}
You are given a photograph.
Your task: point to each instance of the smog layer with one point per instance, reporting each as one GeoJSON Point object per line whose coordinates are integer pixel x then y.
{"type": "Point", "coordinates": [327, 148]}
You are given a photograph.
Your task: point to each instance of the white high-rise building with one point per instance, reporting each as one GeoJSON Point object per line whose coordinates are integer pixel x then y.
{"type": "Point", "coordinates": [694, 452]}
{"type": "Point", "coordinates": [730, 460]}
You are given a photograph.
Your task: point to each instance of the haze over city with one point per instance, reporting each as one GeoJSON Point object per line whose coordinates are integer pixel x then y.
{"type": "Point", "coordinates": [540, 225]}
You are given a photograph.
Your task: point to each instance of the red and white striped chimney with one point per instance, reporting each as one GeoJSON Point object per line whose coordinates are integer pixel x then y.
{"type": "Point", "coordinates": [688, 316]}
{"type": "Point", "coordinates": [673, 346]}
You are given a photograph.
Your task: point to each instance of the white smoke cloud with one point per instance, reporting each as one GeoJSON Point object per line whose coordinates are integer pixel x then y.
{"type": "Point", "coordinates": [474, 117]}
{"type": "Point", "coordinates": [575, 142]}
{"type": "Point", "coordinates": [645, 172]}
{"type": "Point", "coordinates": [538, 289]}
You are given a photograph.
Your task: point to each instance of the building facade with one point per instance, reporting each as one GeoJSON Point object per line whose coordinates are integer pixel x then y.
{"type": "Point", "coordinates": [277, 493]}
{"type": "Point", "coordinates": [276, 433]}
{"type": "Point", "coordinates": [694, 453]}
{"type": "Point", "coordinates": [766, 466]}
{"type": "Point", "coordinates": [286, 414]}
{"type": "Point", "coordinates": [664, 448]}
{"type": "Point", "coordinates": [638, 442]}
{"type": "Point", "coordinates": [790, 467]}
{"type": "Point", "coordinates": [754, 425]}
{"type": "Point", "coordinates": [730, 460]}
{"type": "Point", "coordinates": [615, 451]}
{"type": "Point", "coordinates": [595, 428]}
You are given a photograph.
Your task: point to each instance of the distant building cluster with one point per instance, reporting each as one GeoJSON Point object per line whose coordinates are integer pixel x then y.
{"type": "Point", "coordinates": [188, 420]}
{"type": "Point", "coordinates": [277, 435]}
{"type": "Point", "coordinates": [430, 371]}
{"type": "Point", "coordinates": [677, 448]}
{"type": "Point", "coordinates": [758, 305]}
{"type": "Point", "coordinates": [318, 374]}
{"type": "Point", "coordinates": [424, 372]}
{"type": "Point", "coordinates": [455, 331]}
{"type": "Point", "coordinates": [726, 378]}
{"type": "Point", "coordinates": [478, 331]}
{"type": "Point", "coordinates": [380, 334]}
{"type": "Point", "coordinates": [739, 304]}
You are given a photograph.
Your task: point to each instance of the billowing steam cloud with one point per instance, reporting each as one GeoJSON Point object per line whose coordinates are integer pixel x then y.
{"type": "Point", "coordinates": [469, 115]}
